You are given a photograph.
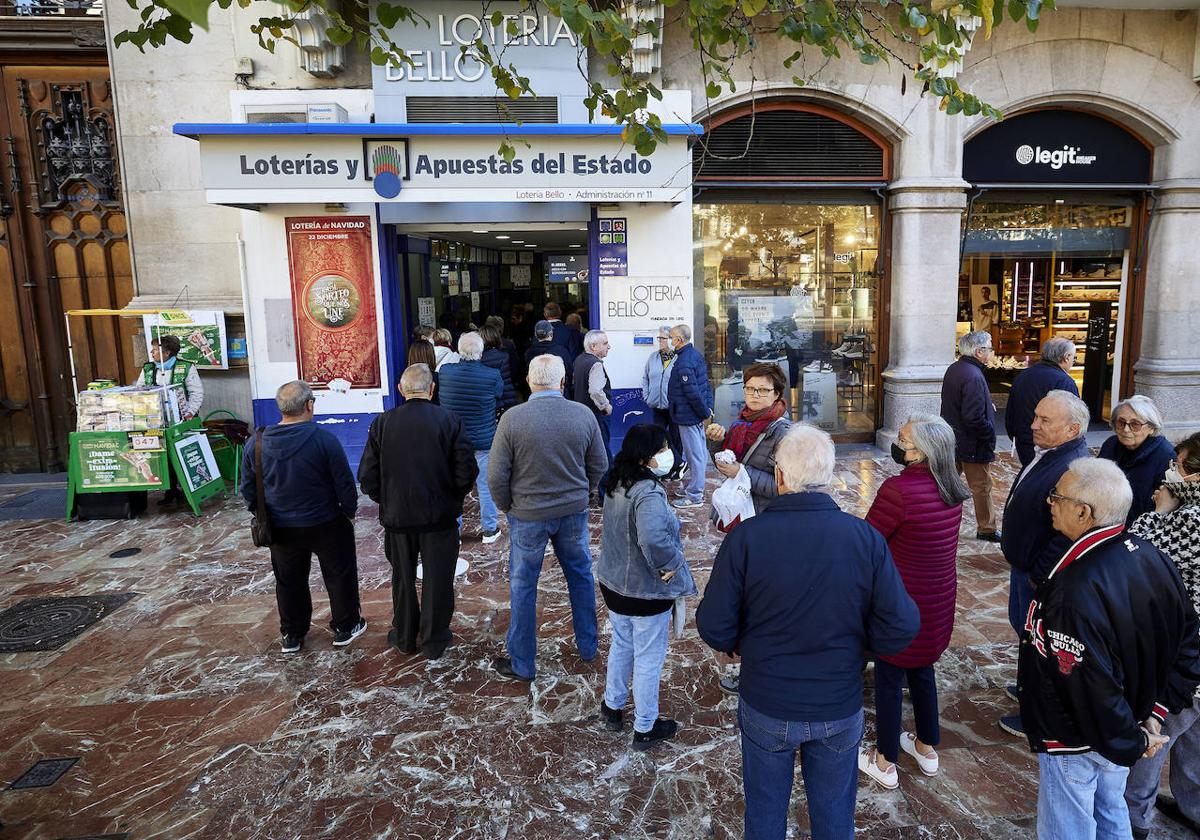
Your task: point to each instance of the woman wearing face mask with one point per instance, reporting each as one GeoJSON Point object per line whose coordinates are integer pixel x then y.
{"type": "Point", "coordinates": [1173, 527]}
{"type": "Point", "coordinates": [919, 512]}
{"type": "Point", "coordinates": [641, 572]}
{"type": "Point", "coordinates": [1139, 449]}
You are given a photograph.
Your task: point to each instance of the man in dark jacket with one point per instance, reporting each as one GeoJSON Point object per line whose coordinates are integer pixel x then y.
{"type": "Point", "coordinates": [967, 406]}
{"type": "Point", "coordinates": [565, 337]}
{"type": "Point", "coordinates": [311, 501]}
{"type": "Point", "coordinates": [1030, 544]}
{"type": "Point", "coordinates": [801, 592]}
{"type": "Point", "coordinates": [472, 390]}
{"type": "Point", "coordinates": [690, 401]}
{"type": "Point", "coordinates": [1111, 646]}
{"type": "Point", "coordinates": [418, 466]}
{"type": "Point", "coordinates": [543, 331]}
{"type": "Point", "coordinates": [1051, 373]}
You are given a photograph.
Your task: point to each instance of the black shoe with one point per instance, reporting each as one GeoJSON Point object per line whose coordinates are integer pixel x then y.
{"type": "Point", "coordinates": [1014, 692]}
{"type": "Point", "coordinates": [1171, 810]}
{"type": "Point", "coordinates": [663, 729]}
{"type": "Point", "coordinates": [1140, 833]}
{"type": "Point", "coordinates": [993, 537]}
{"type": "Point", "coordinates": [614, 719]}
{"type": "Point", "coordinates": [344, 637]}
{"type": "Point", "coordinates": [502, 665]}
{"type": "Point", "coordinates": [1012, 725]}
{"type": "Point", "coordinates": [731, 683]}
{"type": "Point", "coordinates": [291, 643]}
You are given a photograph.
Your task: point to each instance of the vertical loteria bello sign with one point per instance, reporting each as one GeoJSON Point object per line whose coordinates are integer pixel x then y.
{"type": "Point", "coordinates": [333, 301]}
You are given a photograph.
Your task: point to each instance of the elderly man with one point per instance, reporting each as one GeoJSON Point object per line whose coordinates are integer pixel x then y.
{"type": "Point", "coordinates": [546, 461]}
{"type": "Point", "coordinates": [418, 466]}
{"type": "Point", "coordinates": [311, 500]}
{"type": "Point", "coordinates": [1030, 544]}
{"type": "Point", "coordinates": [1111, 647]}
{"type": "Point", "coordinates": [1051, 373]}
{"type": "Point", "coordinates": [802, 626]}
{"type": "Point", "coordinates": [594, 389]}
{"type": "Point", "coordinates": [472, 390]}
{"type": "Point", "coordinates": [967, 406]}
{"type": "Point", "coordinates": [655, 379]}
{"type": "Point", "coordinates": [543, 332]}
{"type": "Point", "coordinates": [690, 403]}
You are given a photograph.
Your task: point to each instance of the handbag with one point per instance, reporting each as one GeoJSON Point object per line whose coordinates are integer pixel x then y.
{"type": "Point", "coordinates": [260, 522]}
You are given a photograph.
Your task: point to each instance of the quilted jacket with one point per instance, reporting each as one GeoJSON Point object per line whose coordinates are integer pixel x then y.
{"type": "Point", "coordinates": [473, 391]}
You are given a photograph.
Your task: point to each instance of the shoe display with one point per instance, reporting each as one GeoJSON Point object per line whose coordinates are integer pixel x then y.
{"type": "Point", "coordinates": [812, 367]}
{"type": "Point", "coordinates": [927, 763]}
{"type": "Point", "coordinates": [663, 729]}
{"type": "Point", "coordinates": [291, 644]}
{"type": "Point", "coordinates": [345, 637]}
{"type": "Point", "coordinates": [614, 719]}
{"type": "Point", "coordinates": [886, 779]}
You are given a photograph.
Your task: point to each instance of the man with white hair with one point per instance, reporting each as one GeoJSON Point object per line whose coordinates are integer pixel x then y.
{"type": "Point", "coordinates": [1111, 646]}
{"type": "Point", "coordinates": [547, 459]}
{"type": "Point", "coordinates": [690, 401]}
{"type": "Point", "coordinates": [801, 592]}
{"type": "Point", "coordinates": [1051, 373]}
{"type": "Point", "coordinates": [967, 406]}
{"type": "Point", "coordinates": [1030, 543]}
{"type": "Point", "coordinates": [594, 389]}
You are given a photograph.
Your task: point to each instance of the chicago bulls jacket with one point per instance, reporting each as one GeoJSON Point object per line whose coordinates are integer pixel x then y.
{"type": "Point", "coordinates": [1110, 639]}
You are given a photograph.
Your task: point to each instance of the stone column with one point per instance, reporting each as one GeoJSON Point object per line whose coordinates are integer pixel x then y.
{"type": "Point", "coordinates": [1168, 368]}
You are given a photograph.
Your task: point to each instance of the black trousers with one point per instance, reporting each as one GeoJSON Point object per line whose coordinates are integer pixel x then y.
{"type": "Point", "coordinates": [291, 558]}
{"type": "Point", "coordinates": [662, 417]}
{"type": "Point", "coordinates": [429, 618]}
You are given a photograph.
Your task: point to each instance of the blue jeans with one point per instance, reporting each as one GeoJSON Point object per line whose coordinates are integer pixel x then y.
{"type": "Point", "coordinates": [1081, 796]}
{"type": "Point", "coordinates": [489, 520]}
{"type": "Point", "coordinates": [889, 688]}
{"type": "Point", "coordinates": [695, 452]}
{"type": "Point", "coordinates": [527, 541]}
{"type": "Point", "coordinates": [639, 646]}
{"type": "Point", "coordinates": [1184, 749]}
{"type": "Point", "coordinates": [828, 765]}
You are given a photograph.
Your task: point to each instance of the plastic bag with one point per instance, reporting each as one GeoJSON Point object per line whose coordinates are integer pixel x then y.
{"type": "Point", "coordinates": [732, 502]}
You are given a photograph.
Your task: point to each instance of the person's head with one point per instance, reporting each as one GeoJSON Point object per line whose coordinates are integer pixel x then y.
{"type": "Point", "coordinates": [1187, 458]}
{"type": "Point", "coordinates": [517, 313]}
{"type": "Point", "coordinates": [543, 330]}
{"type": "Point", "coordinates": [596, 343]}
{"type": "Point", "coordinates": [497, 322]}
{"type": "Point", "coordinates": [491, 337]}
{"type": "Point", "coordinates": [1059, 418]}
{"type": "Point", "coordinates": [574, 321]}
{"type": "Point", "coordinates": [1059, 351]}
{"type": "Point", "coordinates": [804, 459]}
{"type": "Point", "coordinates": [551, 311]}
{"type": "Point", "coordinates": [644, 454]}
{"type": "Point", "coordinates": [928, 438]}
{"type": "Point", "coordinates": [470, 346]}
{"type": "Point", "coordinates": [423, 333]}
{"type": "Point", "coordinates": [1136, 419]}
{"type": "Point", "coordinates": [546, 373]}
{"type": "Point", "coordinates": [164, 348]}
{"type": "Point", "coordinates": [1093, 493]}
{"type": "Point", "coordinates": [976, 345]}
{"type": "Point", "coordinates": [442, 337]}
{"type": "Point", "coordinates": [987, 292]}
{"type": "Point", "coordinates": [763, 384]}
{"type": "Point", "coordinates": [295, 402]}
{"type": "Point", "coordinates": [681, 334]}
{"type": "Point", "coordinates": [664, 340]}
{"type": "Point", "coordinates": [422, 352]}
{"type": "Point", "coordinates": [416, 383]}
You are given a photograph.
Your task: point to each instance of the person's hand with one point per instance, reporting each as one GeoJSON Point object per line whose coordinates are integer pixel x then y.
{"type": "Point", "coordinates": [714, 432]}
{"type": "Point", "coordinates": [1157, 742]}
{"type": "Point", "coordinates": [187, 415]}
{"type": "Point", "coordinates": [608, 410]}
{"type": "Point", "coordinates": [1152, 725]}
{"type": "Point", "coordinates": [667, 575]}
{"type": "Point", "coordinates": [728, 470]}
{"type": "Point", "coordinates": [1164, 500]}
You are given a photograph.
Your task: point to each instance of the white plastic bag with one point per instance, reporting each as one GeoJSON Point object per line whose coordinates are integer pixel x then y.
{"type": "Point", "coordinates": [732, 502]}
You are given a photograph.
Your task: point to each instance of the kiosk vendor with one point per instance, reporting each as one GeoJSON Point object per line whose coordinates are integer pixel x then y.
{"type": "Point", "coordinates": [166, 368]}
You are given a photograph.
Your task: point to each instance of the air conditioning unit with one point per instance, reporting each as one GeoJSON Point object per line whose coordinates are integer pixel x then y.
{"type": "Point", "coordinates": [319, 112]}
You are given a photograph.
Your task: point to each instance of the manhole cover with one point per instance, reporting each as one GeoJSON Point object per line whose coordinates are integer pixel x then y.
{"type": "Point", "coordinates": [44, 773]}
{"type": "Point", "coordinates": [124, 552]}
{"type": "Point", "coordinates": [49, 623]}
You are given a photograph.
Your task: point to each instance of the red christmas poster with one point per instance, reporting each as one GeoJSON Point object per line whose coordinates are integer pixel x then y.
{"type": "Point", "coordinates": [333, 301]}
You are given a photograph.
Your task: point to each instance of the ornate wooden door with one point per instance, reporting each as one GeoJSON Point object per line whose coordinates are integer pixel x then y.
{"type": "Point", "coordinates": [63, 246]}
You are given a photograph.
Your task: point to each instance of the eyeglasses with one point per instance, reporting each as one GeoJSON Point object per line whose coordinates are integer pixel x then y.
{"type": "Point", "coordinates": [1131, 425]}
{"type": "Point", "coordinates": [1055, 496]}
{"type": "Point", "coordinates": [759, 392]}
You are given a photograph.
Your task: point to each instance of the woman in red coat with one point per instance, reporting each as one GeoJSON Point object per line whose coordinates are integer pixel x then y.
{"type": "Point", "coordinates": [918, 512]}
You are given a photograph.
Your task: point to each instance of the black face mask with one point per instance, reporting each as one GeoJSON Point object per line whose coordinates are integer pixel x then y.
{"type": "Point", "coordinates": [898, 454]}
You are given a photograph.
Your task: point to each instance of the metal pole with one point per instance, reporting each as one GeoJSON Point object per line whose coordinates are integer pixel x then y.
{"type": "Point", "coordinates": [71, 355]}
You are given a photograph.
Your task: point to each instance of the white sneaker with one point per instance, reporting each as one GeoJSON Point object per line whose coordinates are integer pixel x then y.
{"type": "Point", "coordinates": [488, 539]}
{"type": "Point", "coordinates": [867, 765]}
{"type": "Point", "coordinates": [927, 763]}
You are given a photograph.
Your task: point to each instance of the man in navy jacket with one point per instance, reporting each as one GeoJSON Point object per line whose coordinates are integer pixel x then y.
{"type": "Point", "coordinates": [1030, 544]}
{"type": "Point", "coordinates": [690, 402]}
{"type": "Point", "coordinates": [801, 592]}
{"type": "Point", "coordinates": [565, 337]}
{"type": "Point", "coordinates": [967, 406]}
{"type": "Point", "coordinates": [1051, 373]}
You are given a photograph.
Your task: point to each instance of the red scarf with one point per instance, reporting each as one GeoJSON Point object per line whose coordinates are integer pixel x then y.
{"type": "Point", "coordinates": [749, 427]}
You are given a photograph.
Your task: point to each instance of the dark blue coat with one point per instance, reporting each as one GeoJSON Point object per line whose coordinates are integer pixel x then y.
{"type": "Point", "coordinates": [802, 592]}
{"type": "Point", "coordinates": [1027, 391]}
{"type": "Point", "coordinates": [569, 339]}
{"type": "Point", "coordinates": [472, 390]}
{"type": "Point", "coordinates": [306, 476]}
{"type": "Point", "coordinates": [689, 398]}
{"type": "Point", "coordinates": [967, 407]}
{"type": "Point", "coordinates": [549, 348]}
{"type": "Point", "coordinates": [499, 360]}
{"type": "Point", "coordinates": [1028, 539]}
{"type": "Point", "coordinates": [1144, 467]}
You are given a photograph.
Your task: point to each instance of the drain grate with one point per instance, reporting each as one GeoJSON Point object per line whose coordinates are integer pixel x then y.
{"type": "Point", "coordinates": [43, 773]}
{"type": "Point", "coordinates": [49, 623]}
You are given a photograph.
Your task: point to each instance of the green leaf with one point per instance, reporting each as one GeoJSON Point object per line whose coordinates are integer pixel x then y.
{"type": "Point", "coordinates": [379, 56]}
{"type": "Point", "coordinates": [507, 151]}
{"type": "Point", "coordinates": [388, 15]}
{"type": "Point", "coordinates": [939, 86]}
{"type": "Point", "coordinates": [497, 18]}
{"type": "Point", "coordinates": [712, 90]}
{"type": "Point", "coordinates": [750, 8]}
{"type": "Point", "coordinates": [194, 10]}
{"type": "Point", "coordinates": [180, 28]}
{"type": "Point", "coordinates": [953, 105]}
{"type": "Point", "coordinates": [339, 35]}
{"type": "Point", "coordinates": [915, 19]}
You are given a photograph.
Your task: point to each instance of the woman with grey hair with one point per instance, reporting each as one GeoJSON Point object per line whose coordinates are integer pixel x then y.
{"type": "Point", "coordinates": [1140, 450]}
{"type": "Point", "coordinates": [919, 512]}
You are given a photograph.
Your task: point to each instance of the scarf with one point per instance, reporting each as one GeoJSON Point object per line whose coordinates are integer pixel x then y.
{"type": "Point", "coordinates": [749, 427]}
{"type": "Point", "coordinates": [168, 364]}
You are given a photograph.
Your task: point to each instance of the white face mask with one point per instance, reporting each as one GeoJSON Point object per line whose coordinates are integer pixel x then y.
{"type": "Point", "coordinates": [663, 463]}
{"type": "Point", "coordinates": [1173, 475]}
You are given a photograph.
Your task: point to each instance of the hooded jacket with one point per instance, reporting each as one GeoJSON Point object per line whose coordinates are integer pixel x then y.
{"type": "Point", "coordinates": [306, 476]}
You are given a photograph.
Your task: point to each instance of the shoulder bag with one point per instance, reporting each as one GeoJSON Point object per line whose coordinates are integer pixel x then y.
{"type": "Point", "coordinates": [260, 522]}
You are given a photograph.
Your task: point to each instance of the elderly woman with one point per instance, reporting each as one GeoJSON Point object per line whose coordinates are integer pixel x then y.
{"type": "Point", "coordinates": [641, 572]}
{"type": "Point", "coordinates": [919, 512]}
{"type": "Point", "coordinates": [443, 347]}
{"type": "Point", "coordinates": [1139, 449]}
{"type": "Point", "coordinates": [1174, 528]}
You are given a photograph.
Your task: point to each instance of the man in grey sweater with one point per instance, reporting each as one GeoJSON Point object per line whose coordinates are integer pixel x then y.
{"type": "Point", "coordinates": [546, 459]}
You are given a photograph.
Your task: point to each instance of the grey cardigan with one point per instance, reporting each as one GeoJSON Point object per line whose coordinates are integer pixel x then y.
{"type": "Point", "coordinates": [639, 541]}
{"type": "Point", "coordinates": [761, 464]}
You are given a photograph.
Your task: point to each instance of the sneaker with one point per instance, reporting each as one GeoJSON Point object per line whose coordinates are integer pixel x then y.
{"type": "Point", "coordinates": [680, 494]}
{"type": "Point", "coordinates": [345, 637]}
{"type": "Point", "coordinates": [614, 719]}
{"type": "Point", "coordinates": [927, 763]}
{"type": "Point", "coordinates": [866, 764]}
{"type": "Point", "coordinates": [1012, 725]}
{"type": "Point", "coordinates": [993, 537]}
{"type": "Point", "coordinates": [685, 502]}
{"type": "Point", "coordinates": [491, 537]}
{"type": "Point", "coordinates": [731, 683]}
{"type": "Point", "coordinates": [502, 665]}
{"type": "Point", "coordinates": [291, 643]}
{"type": "Point", "coordinates": [1014, 692]}
{"type": "Point", "coordinates": [663, 729]}
{"type": "Point", "coordinates": [812, 367]}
